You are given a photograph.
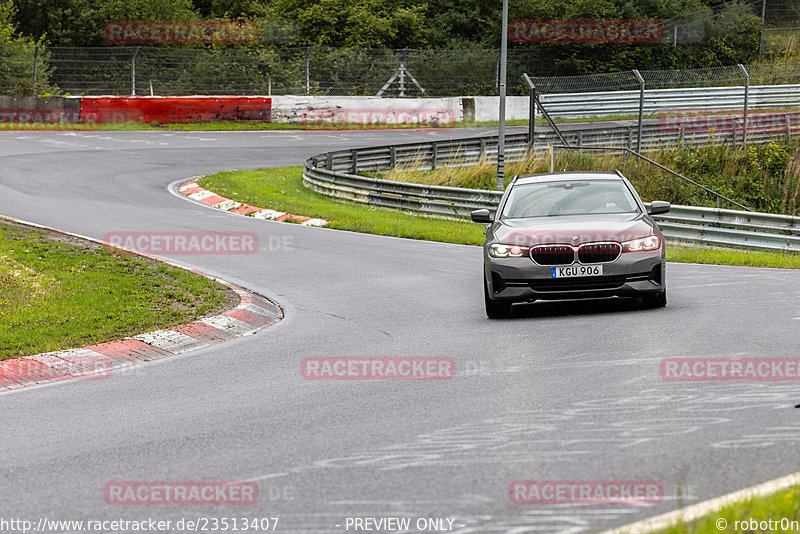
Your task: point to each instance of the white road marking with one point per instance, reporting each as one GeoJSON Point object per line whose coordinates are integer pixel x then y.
{"type": "Point", "coordinates": [710, 285]}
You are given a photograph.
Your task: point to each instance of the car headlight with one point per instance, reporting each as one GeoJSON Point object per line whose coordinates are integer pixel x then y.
{"type": "Point", "coordinates": [507, 251]}
{"type": "Point", "coordinates": [641, 245]}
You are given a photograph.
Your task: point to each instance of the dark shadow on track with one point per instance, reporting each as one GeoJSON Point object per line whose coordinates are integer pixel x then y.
{"type": "Point", "coordinates": [562, 308]}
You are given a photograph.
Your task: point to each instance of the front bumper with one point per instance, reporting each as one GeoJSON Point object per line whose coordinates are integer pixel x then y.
{"type": "Point", "coordinates": [521, 279]}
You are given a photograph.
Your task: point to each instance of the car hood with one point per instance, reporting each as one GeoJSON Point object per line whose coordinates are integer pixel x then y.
{"type": "Point", "coordinates": [573, 229]}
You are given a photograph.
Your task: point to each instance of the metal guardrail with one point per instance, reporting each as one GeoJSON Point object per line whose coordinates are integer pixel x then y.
{"type": "Point", "coordinates": [335, 174]}
{"type": "Point", "coordinates": [683, 224]}
{"type": "Point", "coordinates": [599, 104]}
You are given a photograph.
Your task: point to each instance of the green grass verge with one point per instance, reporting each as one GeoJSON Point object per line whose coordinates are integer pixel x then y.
{"type": "Point", "coordinates": [783, 504]}
{"type": "Point", "coordinates": [282, 189]}
{"type": "Point", "coordinates": [58, 293]}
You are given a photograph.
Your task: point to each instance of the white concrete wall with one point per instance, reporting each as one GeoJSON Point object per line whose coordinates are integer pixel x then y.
{"type": "Point", "coordinates": [487, 108]}
{"type": "Point", "coordinates": [365, 109]}
{"type": "Point", "coordinates": [373, 109]}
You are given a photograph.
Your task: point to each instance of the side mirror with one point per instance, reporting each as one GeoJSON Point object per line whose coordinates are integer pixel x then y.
{"type": "Point", "coordinates": [657, 207]}
{"type": "Point", "coordinates": [481, 216]}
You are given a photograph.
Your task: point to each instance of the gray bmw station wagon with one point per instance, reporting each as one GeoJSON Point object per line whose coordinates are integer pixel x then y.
{"type": "Point", "coordinates": [572, 235]}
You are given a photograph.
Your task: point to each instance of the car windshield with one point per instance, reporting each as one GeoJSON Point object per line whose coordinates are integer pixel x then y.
{"type": "Point", "coordinates": [574, 197]}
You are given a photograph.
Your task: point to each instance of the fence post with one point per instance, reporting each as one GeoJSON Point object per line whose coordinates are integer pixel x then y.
{"type": "Point", "coordinates": [761, 34]}
{"type": "Point", "coordinates": [746, 95]}
{"type": "Point", "coordinates": [308, 69]}
{"type": "Point", "coordinates": [133, 71]}
{"type": "Point", "coordinates": [35, 66]}
{"type": "Point", "coordinates": [641, 109]}
{"type": "Point", "coordinates": [531, 111]}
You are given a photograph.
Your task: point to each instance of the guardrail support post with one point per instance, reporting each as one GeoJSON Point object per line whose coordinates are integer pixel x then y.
{"type": "Point", "coordinates": [354, 167]}
{"type": "Point", "coordinates": [788, 130]}
{"type": "Point", "coordinates": [746, 95]}
{"type": "Point", "coordinates": [483, 149]}
{"type": "Point", "coordinates": [329, 162]}
{"type": "Point", "coordinates": [641, 109]}
{"type": "Point", "coordinates": [433, 155]}
{"type": "Point", "coordinates": [392, 157]}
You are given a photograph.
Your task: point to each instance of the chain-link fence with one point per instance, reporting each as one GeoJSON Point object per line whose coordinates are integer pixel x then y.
{"type": "Point", "coordinates": [141, 71]}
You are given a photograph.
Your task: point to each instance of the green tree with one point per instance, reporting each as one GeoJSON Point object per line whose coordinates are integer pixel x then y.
{"type": "Point", "coordinates": [357, 23]}
{"type": "Point", "coordinates": [81, 22]}
{"type": "Point", "coordinates": [16, 56]}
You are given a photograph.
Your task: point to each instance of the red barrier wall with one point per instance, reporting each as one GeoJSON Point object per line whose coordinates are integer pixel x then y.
{"type": "Point", "coordinates": [172, 109]}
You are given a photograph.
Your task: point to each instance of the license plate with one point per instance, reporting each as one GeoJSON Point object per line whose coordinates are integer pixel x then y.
{"type": "Point", "coordinates": [575, 271]}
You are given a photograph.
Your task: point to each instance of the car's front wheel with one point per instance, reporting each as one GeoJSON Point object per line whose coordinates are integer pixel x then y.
{"type": "Point", "coordinates": [655, 300]}
{"type": "Point", "coordinates": [495, 309]}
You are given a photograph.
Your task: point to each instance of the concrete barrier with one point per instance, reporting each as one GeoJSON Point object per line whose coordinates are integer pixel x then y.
{"type": "Point", "coordinates": [176, 109]}
{"type": "Point", "coordinates": [306, 110]}
{"type": "Point", "coordinates": [30, 110]}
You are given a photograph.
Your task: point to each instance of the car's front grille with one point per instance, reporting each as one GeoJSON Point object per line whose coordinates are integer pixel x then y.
{"type": "Point", "coordinates": [588, 283]}
{"type": "Point", "coordinates": [599, 252]}
{"type": "Point", "coordinates": [553, 254]}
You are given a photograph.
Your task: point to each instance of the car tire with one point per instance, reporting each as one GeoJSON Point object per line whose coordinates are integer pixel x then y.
{"type": "Point", "coordinates": [495, 309]}
{"type": "Point", "coordinates": [655, 300]}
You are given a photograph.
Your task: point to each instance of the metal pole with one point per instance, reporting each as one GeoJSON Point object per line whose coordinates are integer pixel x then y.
{"type": "Point", "coordinates": [308, 69]}
{"type": "Point", "coordinates": [641, 109]}
{"type": "Point", "coordinates": [501, 138]}
{"type": "Point", "coordinates": [532, 120]}
{"type": "Point", "coordinates": [133, 71]}
{"type": "Point", "coordinates": [746, 95]}
{"type": "Point", "coordinates": [532, 110]}
{"type": "Point", "coordinates": [35, 67]}
{"type": "Point", "coordinates": [761, 35]}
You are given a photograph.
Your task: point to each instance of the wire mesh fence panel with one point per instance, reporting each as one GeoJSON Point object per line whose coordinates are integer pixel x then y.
{"type": "Point", "coordinates": [92, 71]}
{"type": "Point", "coordinates": [781, 13]}
{"type": "Point", "coordinates": [165, 71]}
{"type": "Point", "coordinates": [615, 81]}
{"type": "Point", "coordinates": [449, 72]}
{"type": "Point", "coordinates": [774, 73]}
{"type": "Point", "coordinates": [16, 70]}
{"type": "Point", "coordinates": [350, 71]}
{"type": "Point", "coordinates": [710, 77]}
